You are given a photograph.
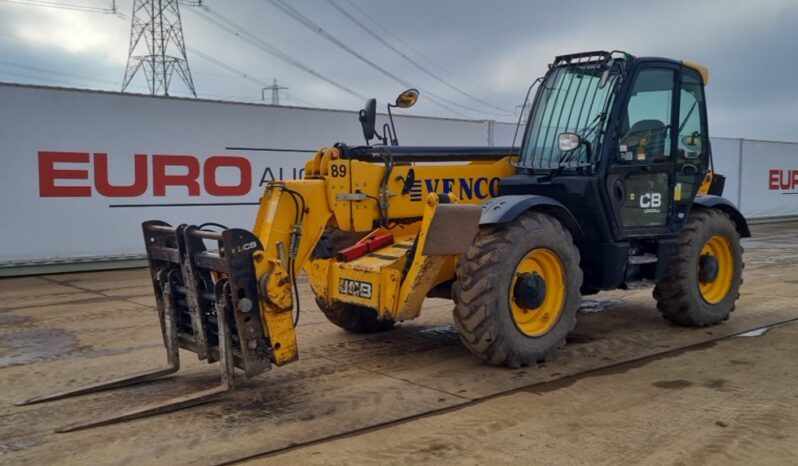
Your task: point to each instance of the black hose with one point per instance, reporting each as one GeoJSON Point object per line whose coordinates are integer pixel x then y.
{"type": "Point", "coordinates": [298, 219]}
{"type": "Point", "coordinates": [296, 293]}
{"type": "Point", "coordinates": [211, 224]}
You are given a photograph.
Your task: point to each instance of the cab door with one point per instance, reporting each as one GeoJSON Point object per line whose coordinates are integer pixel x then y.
{"type": "Point", "coordinates": [640, 171]}
{"type": "Point", "coordinates": [692, 144]}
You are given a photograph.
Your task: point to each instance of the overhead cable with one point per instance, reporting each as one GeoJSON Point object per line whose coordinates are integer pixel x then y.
{"type": "Point", "coordinates": [418, 65]}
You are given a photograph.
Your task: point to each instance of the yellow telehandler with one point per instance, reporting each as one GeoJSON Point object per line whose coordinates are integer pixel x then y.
{"type": "Point", "coordinates": [612, 186]}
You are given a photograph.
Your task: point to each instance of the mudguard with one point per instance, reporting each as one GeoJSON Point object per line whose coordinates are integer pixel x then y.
{"type": "Point", "coordinates": [504, 209]}
{"type": "Point", "coordinates": [716, 202]}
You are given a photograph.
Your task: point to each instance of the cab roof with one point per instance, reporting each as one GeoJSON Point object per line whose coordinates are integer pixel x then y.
{"type": "Point", "coordinates": [600, 55]}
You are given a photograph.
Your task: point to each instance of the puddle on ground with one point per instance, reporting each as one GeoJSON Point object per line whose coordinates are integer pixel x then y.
{"type": "Point", "coordinates": [590, 306]}
{"type": "Point", "coordinates": [777, 258]}
{"type": "Point", "coordinates": [758, 332]}
{"type": "Point", "coordinates": [440, 330]}
{"type": "Point", "coordinates": [35, 345]}
{"type": "Point", "coordinates": [12, 321]}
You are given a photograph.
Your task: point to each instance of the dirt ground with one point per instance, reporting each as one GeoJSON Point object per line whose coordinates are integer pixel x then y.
{"type": "Point", "coordinates": [628, 387]}
{"type": "Point", "coordinates": [734, 402]}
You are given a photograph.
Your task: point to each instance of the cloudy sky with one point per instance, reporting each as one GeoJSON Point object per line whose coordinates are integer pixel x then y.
{"type": "Point", "coordinates": [469, 58]}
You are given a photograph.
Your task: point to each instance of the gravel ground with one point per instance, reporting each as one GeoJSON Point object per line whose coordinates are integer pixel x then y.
{"type": "Point", "coordinates": [386, 397]}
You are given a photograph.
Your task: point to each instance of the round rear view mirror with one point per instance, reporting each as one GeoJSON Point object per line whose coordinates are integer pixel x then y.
{"type": "Point", "coordinates": [407, 98]}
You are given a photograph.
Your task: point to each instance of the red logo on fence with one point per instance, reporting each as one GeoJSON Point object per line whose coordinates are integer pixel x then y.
{"type": "Point", "coordinates": [782, 180]}
{"type": "Point", "coordinates": [159, 168]}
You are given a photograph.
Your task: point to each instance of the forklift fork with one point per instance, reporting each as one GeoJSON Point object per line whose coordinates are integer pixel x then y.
{"type": "Point", "coordinates": [183, 272]}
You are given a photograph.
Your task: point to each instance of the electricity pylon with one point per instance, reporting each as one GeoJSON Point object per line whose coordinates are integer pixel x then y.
{"type": "Point", "coordinates": [162, 52]}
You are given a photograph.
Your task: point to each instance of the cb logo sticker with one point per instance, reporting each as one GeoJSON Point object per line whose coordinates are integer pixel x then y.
{"type": "Point", "coordinates": [651, 200]}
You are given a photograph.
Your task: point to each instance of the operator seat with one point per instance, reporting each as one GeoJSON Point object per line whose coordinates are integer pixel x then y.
{"type": "Point", "coordinates": [653, 132]}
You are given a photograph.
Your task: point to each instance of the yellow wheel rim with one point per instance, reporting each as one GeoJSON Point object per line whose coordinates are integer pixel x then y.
{"type": "Point", "coordinates": [714, 291]}
{"type": "Point", "coordinates": [536, 322]}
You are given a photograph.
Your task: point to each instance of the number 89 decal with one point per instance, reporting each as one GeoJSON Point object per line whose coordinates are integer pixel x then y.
{"type": "Point", "coordinates": [338, 171]}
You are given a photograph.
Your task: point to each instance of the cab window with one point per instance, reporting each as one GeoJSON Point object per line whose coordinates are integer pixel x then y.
{"type": "Point", "coordinates": [691, 153]}
{"type": "Point", "coordinates": [645, 135]}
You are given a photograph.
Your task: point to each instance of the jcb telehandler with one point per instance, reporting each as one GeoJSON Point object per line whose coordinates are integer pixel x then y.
{"type": "Point", "coordinates": [611, 187]}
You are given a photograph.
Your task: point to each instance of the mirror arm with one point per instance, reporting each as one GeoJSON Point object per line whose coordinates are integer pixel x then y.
{"type": "Point", "coordinates": [588, 150]}
{"type": "Point", "coordinates": [387, 135]}
{"type": "Point", "coordinates": [394, 139]}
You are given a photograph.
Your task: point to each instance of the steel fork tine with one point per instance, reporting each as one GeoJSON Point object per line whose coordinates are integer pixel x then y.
{"type": "Point", "coordinates": [172, 404]}
{"type": "Point", "coordinates": [226, 364]}
{"type": "Point", "coordinates": [172, 357]}
{"type": "Point", "coordinates": [116, 383]}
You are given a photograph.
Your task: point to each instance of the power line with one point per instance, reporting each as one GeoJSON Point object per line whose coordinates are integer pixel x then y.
{"type": "Point", "coordinates": [69, 76]}
{"type": "Point", "coordinates": [39, 78]}
{"type": "Point", "coordinates": [229, 68]}
{"type": "Point", "coordinates": [231, 27]}
{"type": "Point", "coordinates": [307, 22]}
{"type": "Point", "coordinates": [55, 73]}
{"type": "Point", "coordinates": [232, 72]}
{"type": "Point", "coordinates": [416, 51]}
{"type": "Point", "coordinates": [410, 60]}
{"type": "Point", "coordinates": [261, 83]}
{"type": "Point", "coordinates": [237, 30]}
{"type": "Point", "coordinates": [27, 42]}
{"type": "Point", "coordinates": [83, 84]}
{"type": "Point", "coordinates": [65, 6]}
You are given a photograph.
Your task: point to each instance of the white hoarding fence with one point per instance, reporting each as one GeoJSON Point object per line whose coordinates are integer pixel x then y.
{"type": "Point", "coordinates": [726, 158]}
{"type": "Point", "coordinates": [769, 184]}
{"type": "Point", "coordinates": [761, 176]}
{"type": "Point", "coordinates": [82, 169]}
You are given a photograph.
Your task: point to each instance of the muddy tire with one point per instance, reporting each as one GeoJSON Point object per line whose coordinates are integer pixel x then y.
{"type": "Point", "coordinates": [485, 304]}
{"type": "Point", "coordinates": [354, 318]}
{"type": "Point", "coordinates": [686, 295]}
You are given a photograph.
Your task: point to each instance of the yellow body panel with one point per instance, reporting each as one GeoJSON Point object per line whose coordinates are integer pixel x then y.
{"type": "Point", "coordinates": [703, 190]}
{"type": "Point", "coordinates": [702, 70]}
{"type": "Point", "coordinates": [472, 183]}
{"type": "Point", "coordinates": [351, 196]}
{"type": "Point", "coordinates": [423, 272]}
{"type": "Point", "coordinates": [275, 224]}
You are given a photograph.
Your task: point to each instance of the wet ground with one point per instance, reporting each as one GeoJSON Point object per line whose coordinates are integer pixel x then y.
{"type": "Point", "coordinates": [731, 402]}
{"type": "Point", "coordinates": [67, 330]}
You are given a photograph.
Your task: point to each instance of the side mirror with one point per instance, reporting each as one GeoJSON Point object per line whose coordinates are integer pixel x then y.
{"type": "Point", "coordinates": [368, 118]}
{"type": "Point", "coordinates": [693, 141]}
{"type": "Point", "coordinates": [693, 144]}
{"type": "Point", "coordinates": [407, 98]}
{"type": "Point", "coordinates": [569, 141]}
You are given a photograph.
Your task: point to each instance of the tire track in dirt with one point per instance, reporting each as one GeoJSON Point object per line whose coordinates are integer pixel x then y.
{"type": "Point", "coordinates": [697, 417]}
{"type": "Point", "coordinates": [343, 383]}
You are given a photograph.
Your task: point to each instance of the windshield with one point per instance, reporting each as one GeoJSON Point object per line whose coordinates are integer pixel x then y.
{"type": "Point", "coordinates": [568, 100]}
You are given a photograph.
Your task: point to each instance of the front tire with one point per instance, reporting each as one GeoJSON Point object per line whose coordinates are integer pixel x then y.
{"type": "Point", "coordinates": [702, 281]}
{"type": "Point", "coordinates": [511, 324]}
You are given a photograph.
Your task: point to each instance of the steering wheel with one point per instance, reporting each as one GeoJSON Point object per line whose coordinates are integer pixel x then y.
{"type": "Point", "coordinates": [689, 169]}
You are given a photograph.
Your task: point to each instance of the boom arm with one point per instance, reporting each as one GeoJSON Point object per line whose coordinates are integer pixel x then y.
{"type": "Point", "coordinates": [382, 195]}
{"type": "Point", "coordinates": [409, 221]}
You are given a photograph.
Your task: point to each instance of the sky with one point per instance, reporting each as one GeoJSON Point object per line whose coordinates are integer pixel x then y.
{"type": "Point", "coordinates": [469, 58]}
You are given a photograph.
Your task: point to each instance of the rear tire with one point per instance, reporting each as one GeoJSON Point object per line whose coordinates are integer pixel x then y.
{"type": "Point", "coordinates": [679, 293]}
{"type": "Point", "coordinates": [486, 308]}
{"type": "Point", "coordinates": [354, 318]}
